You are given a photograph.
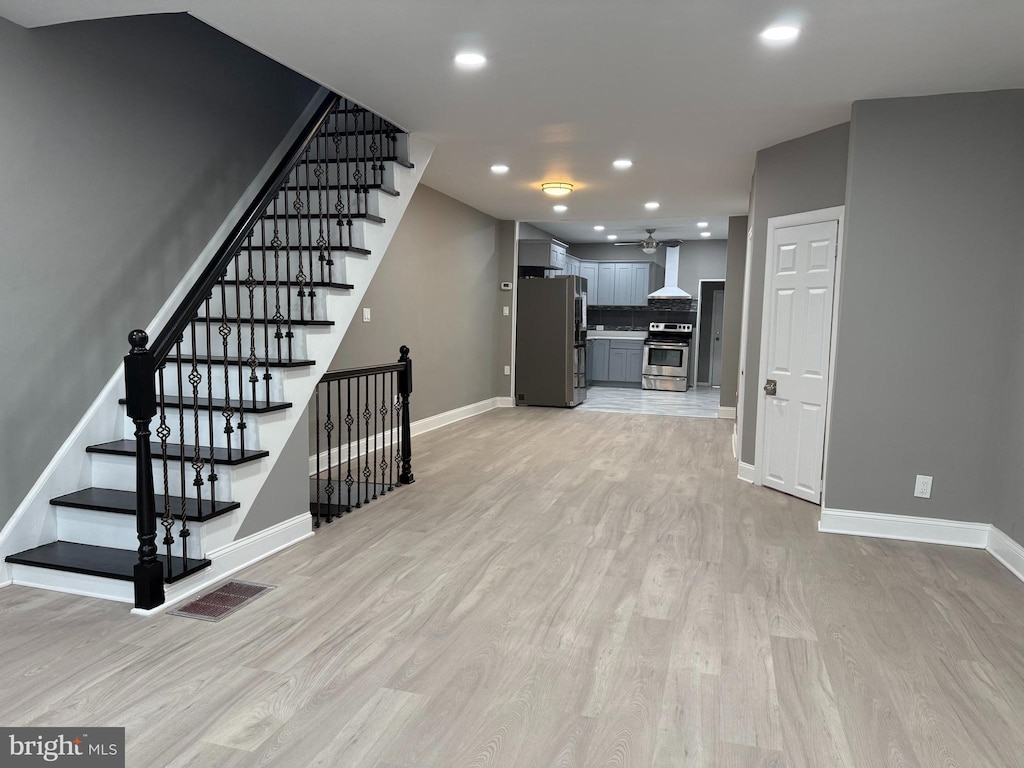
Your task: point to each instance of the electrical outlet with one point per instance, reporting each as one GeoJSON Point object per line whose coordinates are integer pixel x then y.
{"type": "Point", "coordinates": [504, 311]}
{"type": "Point", "coordinates": [366, 314]}
{"type": "Point", "coordinates": [508, 370]}
{"type": "Point", "coordinates": [923, 487]}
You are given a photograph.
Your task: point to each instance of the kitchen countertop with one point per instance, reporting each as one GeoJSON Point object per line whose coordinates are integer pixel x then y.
{"type": "Point", "coordinates": [591, 334]}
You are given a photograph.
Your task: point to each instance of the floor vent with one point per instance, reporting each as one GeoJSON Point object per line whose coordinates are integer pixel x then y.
{"type": "Point", "coordinates": [223, 601]}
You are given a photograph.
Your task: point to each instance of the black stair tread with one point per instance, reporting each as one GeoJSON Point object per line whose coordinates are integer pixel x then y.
{"type": "Point", "coordinates": [218, 403]}
{"type": "Point", "coordinates": [219, 360]}
{"type": "Point", "coordinates": [383, 159]}
{"type": "Point", "coordinates": [343, 187]}
{"type": "Point", "coordinates": [230, 281]}
{"type": "Point", "coordinates": [176, 451]}
{"type": "Point", "coordinates": [267, 320]}
{"type": "Point", "coordinates": [124, 503]}
{"type": "Point", "coordinates": [334, 216]}
{"type": "Point", "coordinates": [304, 248]}
{"type": "Point", "coordinates": [97, 561]}
{"type": "Point", "coordinates": [381, 131]}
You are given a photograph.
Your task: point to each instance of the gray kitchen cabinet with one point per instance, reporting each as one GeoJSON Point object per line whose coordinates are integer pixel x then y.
{"type": "Point", "coordinates": [588, 270]}
{"type": "Point", "coordinates": [599, 360]}
{"type": "Point", "coordinates": [634, 365]}
{"type": "Point", "coordinates": [549, 254]}
{"type": "Point", "coordinates": [590, 363]}
{"type": "Point", "coordinates": [623, 292]}
{"type": "Point", "coordinates": [617, 364]}
{"type": "Point", "coordinates": [605, 284]}
{"type": "Point", "coordinates": [641, 284]}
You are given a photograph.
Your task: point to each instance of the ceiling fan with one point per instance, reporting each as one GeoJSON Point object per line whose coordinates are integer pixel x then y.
{"type": "Point", "coordinates": [649, 244]}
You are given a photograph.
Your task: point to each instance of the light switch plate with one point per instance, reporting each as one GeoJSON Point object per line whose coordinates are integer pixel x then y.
{"type": "Point", "coordinates": [505, 311]}
{"type": "Point", "coordinates": [508, 370]}
{"type": "Point", "coordinates": [366, 314]}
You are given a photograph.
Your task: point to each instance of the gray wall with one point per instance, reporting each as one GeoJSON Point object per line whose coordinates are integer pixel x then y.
{"type": "Point", "coordinates": [804, 174]}
{"type": "Point", "coordinates": [437, 290]}
{"type": "Point", "coordinates": [928, 377]}
{"type": "Point", "coordinates": [736, 259]}
{"type": "Point", "coordinates": [124, 144]}
{"type": "Point", "coordinates": [528, 231]}
{"type": "Point", "coordinates": [701, 260]}
{"type": "Point", "coordinates": [286, 490]}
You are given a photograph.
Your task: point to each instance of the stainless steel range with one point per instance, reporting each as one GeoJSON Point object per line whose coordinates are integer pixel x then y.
{"type": "Point", "coordinates": [667, 356]}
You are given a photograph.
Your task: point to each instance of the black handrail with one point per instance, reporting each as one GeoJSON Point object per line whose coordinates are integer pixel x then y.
{"type": "Point", "coordinates": [186, 311]}
{"type": "Point", "coordinates": [369, 370]}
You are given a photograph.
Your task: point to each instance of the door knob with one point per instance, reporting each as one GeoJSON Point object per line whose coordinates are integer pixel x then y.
{"type": "Point", "coordinates": [770, 387]}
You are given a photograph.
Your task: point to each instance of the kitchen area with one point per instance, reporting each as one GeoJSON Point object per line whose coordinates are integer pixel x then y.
{"type": "Point", "coordinates": [612, 327]}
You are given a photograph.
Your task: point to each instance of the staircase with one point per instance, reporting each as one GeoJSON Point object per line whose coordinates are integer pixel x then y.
{"type": "Point", "coordinates": [149, 514]}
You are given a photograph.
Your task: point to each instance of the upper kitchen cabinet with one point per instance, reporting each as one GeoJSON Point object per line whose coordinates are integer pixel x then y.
{"type": "Point", "coordinates": [641, 285]}
{"type": "Point", "coordinates": [546, 254]}
{"type": "Point", "coordinates": [588, 270]}
{"type": "Point", "coordinates": [620, 283]}
{"type": "Point", "coordinates": [605, 291]}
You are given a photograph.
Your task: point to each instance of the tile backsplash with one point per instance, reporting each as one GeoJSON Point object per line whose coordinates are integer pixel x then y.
{"type": "Point", "coordinates": [638, 318]}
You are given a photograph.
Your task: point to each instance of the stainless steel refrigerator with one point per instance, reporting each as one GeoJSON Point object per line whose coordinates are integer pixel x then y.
{"type": "Point", "coordinates": [551, 341]}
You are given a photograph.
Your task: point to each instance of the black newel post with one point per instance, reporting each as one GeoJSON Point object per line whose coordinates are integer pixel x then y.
{"type": "Point", "coordinates": [140, 392]}
{"type": "Point", "coordinates": [404, 390]}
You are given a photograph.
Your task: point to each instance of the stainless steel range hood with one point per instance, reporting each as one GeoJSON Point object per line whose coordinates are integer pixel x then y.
{"type": "Point", "coordinates": [671, 289]}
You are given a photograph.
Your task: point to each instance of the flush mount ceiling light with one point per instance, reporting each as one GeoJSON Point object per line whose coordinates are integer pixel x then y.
{"type": "Point", "coordinates": [613, 237]}
{"type": "Point", "coordinates": [556, 188]}
{"type": "Point", "coordinates": [499, 169]}
{"type": "Point", "coordinates": [652, 206]}
{"type": "Point", "coordinates": [560, 208]}
{"type": "Point", "coordinates": [470, 60]}
{"type": "Point", "coordinates": [599, 227]}
{"type": "Point", "coordinates": [702, 224]}
{"type": "Point", "coordinates": [622, 164]}
{"type": "Point", "coordinates": [705, 234]}
{"type": "Point", "coordinates": [780, 33]}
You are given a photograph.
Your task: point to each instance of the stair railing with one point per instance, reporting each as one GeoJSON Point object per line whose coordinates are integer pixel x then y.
{"type": "Point", "coordinates": [261, 283]}
{"type": "Point", "coordinates": [363, 437]}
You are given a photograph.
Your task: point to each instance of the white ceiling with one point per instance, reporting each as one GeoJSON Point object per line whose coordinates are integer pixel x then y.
{"type": "Point", "coordinates": [685, 89]}
{"type": "Point", "coordinates": [676, 229]}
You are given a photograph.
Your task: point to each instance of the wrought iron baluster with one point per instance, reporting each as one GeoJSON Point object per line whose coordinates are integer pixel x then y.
{"type": "Point", "coordinates": [238, 348]}
{"type": "Point", "coordinates": [278, 318]}
{"type": "Point", "coordinates": [224, 329]}
{"type": "Point", "coordinates": [321, 211]}
{"type": "Point", "coordinates": [212, 477]}
{"type": "Point", "coordinates": [378, 163]}
{"type": "Point", "coordinates": [300, 275]}
{"type": "Point", "coordinates": [351, 184]}
{"type": "Point", "coordinates": [309, 238]}
{"type": "Point", "coordinates": [316, 480]}
{"type": "Point", "coordinates": [391, 433]}
{"type": "Point", "coordinates": [264, 273]}
{"type": "Point", "coordinates": [329, 431]}
{"type": "Point", "coordinates": [337, 394]}
{"type": "Point", "coordinates": [252, 361]}
{"type": "Point", "coordinates": [162, 433]}
{"type": "Point", "coordinates": [366, 449]}
{"type": "Point", "coordinates": [183, 443]}
{"type": "Point", "coordinates": [375, 456]}
{"type": "Point", "coordinates": [359, 494]}
{"type": "Point", "coordinates": [396, 408]}
{"type": "Point", "coordinates": [288, 334]}
{"type": "Point", "coordinates": [383, 411]}
{"type": "Point", "coordinates": [349, 421]}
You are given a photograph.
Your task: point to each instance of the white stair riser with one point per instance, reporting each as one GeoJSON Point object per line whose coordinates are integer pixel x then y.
{"type": "Point", "coordinates": [302, 236]}
{"type": "Point", "coordinates": [325, 198]}
{"type": "Point", "coordinates": [262, 333]}
{"type": "Point", "coordinates": [220, 438]}
{"type": "Point", "coordinates": [111, 529]}
{"type": "Point", "coordinates": [287, 269]}
{"type": "Point", "coordinates": [235, 306]}
{"type": "Point", "coordinates": [278, 388]}
{"type": "Point", "coordinates": [118, 472]}
{"type": "Point", "coordinates": [73, 583]}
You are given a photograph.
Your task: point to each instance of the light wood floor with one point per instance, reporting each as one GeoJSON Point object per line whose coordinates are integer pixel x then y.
{"type": "Point", "coordinates": [558, 589]}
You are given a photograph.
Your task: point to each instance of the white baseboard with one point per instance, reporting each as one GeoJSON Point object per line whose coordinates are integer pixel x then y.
{"type": "Point", "coordinates": [1006, 551]}
{"type": "Point", "coordinates": [746, 472]}
{"type": "Point", "coordinates": [927, 530]}
{"type": "Point", "coordinates": [235, 556]}
{"type": "Point", "coordinates": [418, 428]}
{"type": "Point", "coordinates": [725, 412]}
{"type": "Point", "coordinates": [735, 455]}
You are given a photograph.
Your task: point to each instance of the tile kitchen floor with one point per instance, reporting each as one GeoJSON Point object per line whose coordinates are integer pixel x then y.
{"type": "Point", "coordinates": [699, 402]}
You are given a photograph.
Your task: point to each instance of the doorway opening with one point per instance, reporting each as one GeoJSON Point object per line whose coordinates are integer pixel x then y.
{"type": "Point", "coordinates": [708, 333]}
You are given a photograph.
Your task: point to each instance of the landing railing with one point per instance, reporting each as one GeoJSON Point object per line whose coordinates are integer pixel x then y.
{"type": "Point", "coordinates": [211, 369]}
{"type": "Point", "coordinates": [363, 437]}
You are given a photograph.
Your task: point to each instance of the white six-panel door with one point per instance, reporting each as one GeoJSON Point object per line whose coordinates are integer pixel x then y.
{"type": "Point", "coordinates": [796, 340]}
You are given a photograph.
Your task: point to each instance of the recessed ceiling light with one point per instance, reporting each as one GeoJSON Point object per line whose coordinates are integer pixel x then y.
{"type": "Point", "coordinates": [556, 188]}
{"type": "Point", "coordinates": [499, 168]}
{"type": "Point", "coordinates": [652, 206]}
{"type": "Point", "coordinates": [560, 208]}
{"type": "Point", "coordinates": [470, 60]}
{"type": "Point", "coordinates": [705, 234]}
{"type": "Point", "coordinates": [700, 224]}
{"type": "Point", "coordinates": [622, 164]}
{"type": "Point", "coordinates": [613, 237]}
{"type": "Point", "coordinates": [599, 227]}
{"type": "Point", "coordinates": [780, 33]}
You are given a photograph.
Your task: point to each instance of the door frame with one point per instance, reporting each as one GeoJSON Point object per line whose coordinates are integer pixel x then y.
{"type": "Point", "coordinates": [741, 379]}
{"type": "Point", "coordinates": [696, 347]}
{"type": "Point", "coordinates": [838, 214]}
